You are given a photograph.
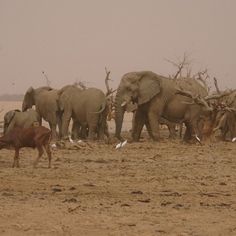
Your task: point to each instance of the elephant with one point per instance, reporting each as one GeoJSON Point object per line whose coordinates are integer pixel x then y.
{"type": "Point", "coordinates": [16, 118]}
{"type": "Point", "coordinates": [88, 108]}
{"type": "Point", "coordinates": [157, 96]}
{"type": "Point", "coordinates": [45, 100]}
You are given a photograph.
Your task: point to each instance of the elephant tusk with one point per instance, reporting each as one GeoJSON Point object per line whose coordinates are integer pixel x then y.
{"type": "Point", "coordinates": [234, 139]}
{"type": "Point", "coordinates": [123, 103]}
{"type": "Point", "coordinates": [198, 139]}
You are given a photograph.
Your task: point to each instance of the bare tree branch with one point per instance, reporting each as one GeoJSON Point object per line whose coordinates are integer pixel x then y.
{"type": "Point", "coordinates": [202, 76]}
{"type": "Point", "coordinates": [48, 82]}
{"type": "Point", "coordinates": [82, 85]}
{"type": "Point", "coordinates": [106, 81]}
{"type": "Point", "coordinates": [180, 65]}
{"type": "Point", "coordinates": [216, 85]}
{"type": "Point", "coordinates": [109, 90]}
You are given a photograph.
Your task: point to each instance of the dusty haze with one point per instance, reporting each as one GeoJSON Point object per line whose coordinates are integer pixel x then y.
{"type": "Point", "coordinates": [75, 40]}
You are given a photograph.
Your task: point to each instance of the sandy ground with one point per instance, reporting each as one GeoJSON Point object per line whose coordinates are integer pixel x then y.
{"type": "Point", "coordinates": [146, 188]}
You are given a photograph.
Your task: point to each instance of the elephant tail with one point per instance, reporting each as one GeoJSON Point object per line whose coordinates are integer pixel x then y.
{"type": "Point", "coordinates": [102, 108]}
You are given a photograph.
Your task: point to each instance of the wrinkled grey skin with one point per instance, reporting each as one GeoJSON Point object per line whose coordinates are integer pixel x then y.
{"type": "Point", "coordinates": [45, 100]}
{"type": "Point", "coordinates": [16, 118]}
{"type": "Point", "coordinates": [155, 97]}
{"type": "Point", "coordinates": [88, 108]}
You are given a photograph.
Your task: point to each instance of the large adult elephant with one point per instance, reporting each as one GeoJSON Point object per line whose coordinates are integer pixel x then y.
{"type": "Point", "coordinates": [156, 96]}
{"type": "Point", "coordinates": [88, 108]}
{"type": "Point", "coordinates": [45, 100]}
{"type": "Point", "coordinates": [16, 118]}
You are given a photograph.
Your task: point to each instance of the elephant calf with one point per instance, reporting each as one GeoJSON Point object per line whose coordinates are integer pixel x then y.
{"type": "Point", "coordinates": [34, 137]}
{"type": "Point", "coordinates": [16, 118]}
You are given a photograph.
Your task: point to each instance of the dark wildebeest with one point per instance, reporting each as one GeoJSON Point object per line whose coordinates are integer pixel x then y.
{"type": "Point", "coordinates": [35, 137]}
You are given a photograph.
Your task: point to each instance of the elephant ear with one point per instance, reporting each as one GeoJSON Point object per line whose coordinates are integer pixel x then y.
{"type": "Point", "coordinates": [29, 90]}
{"type": "Point", "coordinates": [149, 86]}
{"type": "Point", "coordinates": [9, 116]}
{"type": "Point", "coordinates": [28, 100]}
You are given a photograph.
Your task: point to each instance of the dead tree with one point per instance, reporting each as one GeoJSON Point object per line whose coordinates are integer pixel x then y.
{"type": "Point", "coordinates": [216, 85]}
{"type": "Point", "coordinates": [48, 82]}
{"type": "Point", "coordinates": [183, 64]}
{"type": "Point", "coordinates": [82, 85]}
{"type": "Point", "coordinates": [110, 97]}
{"type": "Point", "coordinates": [203, 76]}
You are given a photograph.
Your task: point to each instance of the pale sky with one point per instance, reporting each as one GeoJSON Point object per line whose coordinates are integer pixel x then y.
{"type": "Point", "coordinates": [75, 39]}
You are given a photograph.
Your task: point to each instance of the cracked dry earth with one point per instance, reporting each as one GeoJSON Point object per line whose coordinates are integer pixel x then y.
{"type": "Point", "coordinates": [146, 188]}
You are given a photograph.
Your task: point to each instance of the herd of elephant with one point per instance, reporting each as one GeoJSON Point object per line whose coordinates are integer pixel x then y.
{"type": "Point", "coordinates": [152, 98]}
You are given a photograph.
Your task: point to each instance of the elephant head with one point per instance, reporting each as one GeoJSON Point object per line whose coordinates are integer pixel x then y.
{"type": "Point", "coordinates": [135, 89]}
{"type": "Point", "coordinates": [28, 101]}
{"type": "Point", "coordinates": [8, 117]}
{"type": "Point", "coordinates": [29, 98]}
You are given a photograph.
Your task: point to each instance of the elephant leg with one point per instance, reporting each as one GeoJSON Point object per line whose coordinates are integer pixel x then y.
{"type": "Point", "coordinates": [83, 133]}
{"type": "Point", "coordinates": [138, 123]}
{"type": "Point", "coordinates": [93, 123]}
{"type": "Point", "coordinates": [153, 118]}
{"type": "Point", "coordinates": [100, 133]}
{"type": "Point", "coordinates": [149, 130]}
{"type": "Point", "coordinates": [59, 123]}
{"type": "Point", "coordinates": [75, 130]}
{"type": "Point", "coordinates": [106, 130]}
{"type": "Point", "coordinates": [181, 130]}
{"type": "Point", "coordinates": [188, 132]}
{"type": "Point", "coordinates": [65, 124]}
{"type": "Point", "coordinates": [92, 132]}
{"type": "Point", "coordinates": [54, 131]}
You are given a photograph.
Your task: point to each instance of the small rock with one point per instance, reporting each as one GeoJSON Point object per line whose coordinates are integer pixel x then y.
{"type": "Point", "coordinates": [55, 189]}
{"type": "Point", "coordinates": [137, 192]}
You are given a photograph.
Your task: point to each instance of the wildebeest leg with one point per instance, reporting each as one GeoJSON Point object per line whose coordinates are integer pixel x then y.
{"type": "Point", "coordinates": [16, 159]}
{"type": "Point", "coordinates": [40, 153]}
{"type": "Point", "coordinates": [49, 154]}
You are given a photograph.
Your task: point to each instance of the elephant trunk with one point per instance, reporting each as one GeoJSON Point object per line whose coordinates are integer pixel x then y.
{"type": "Point", "coordinates": [119, 115]}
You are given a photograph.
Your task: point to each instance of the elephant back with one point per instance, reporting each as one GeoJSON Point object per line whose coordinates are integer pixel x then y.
{"type": "Point", "coordinates": [95, 99]}
{"type": "Point", "coordinates": [192, 85]}
{"type": "Point", "coordinates": [66, 94]}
